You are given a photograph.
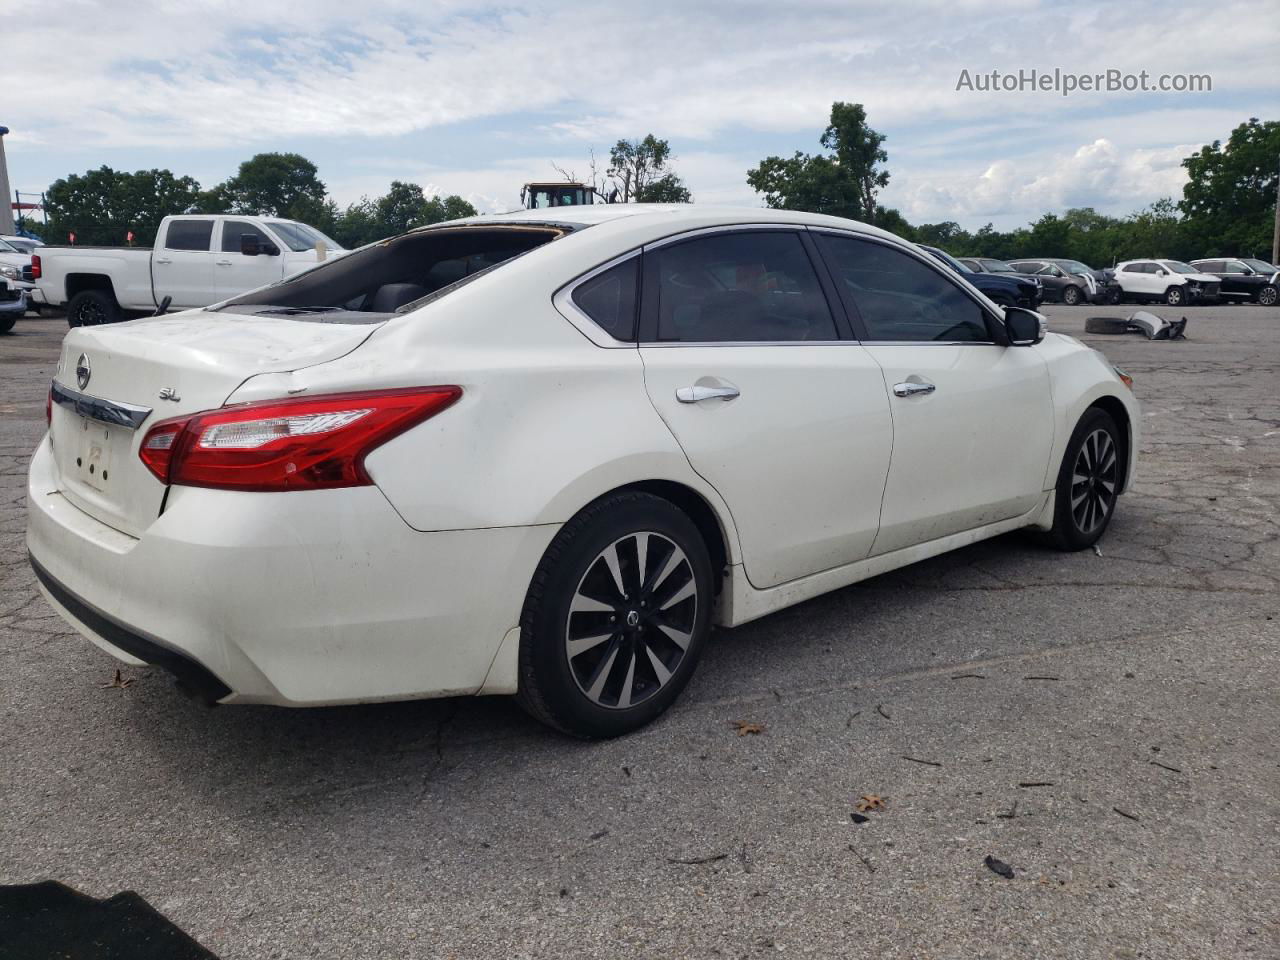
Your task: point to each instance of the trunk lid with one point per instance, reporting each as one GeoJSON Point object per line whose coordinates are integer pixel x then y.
{"type": "Point", "coordinates": [196, 360]}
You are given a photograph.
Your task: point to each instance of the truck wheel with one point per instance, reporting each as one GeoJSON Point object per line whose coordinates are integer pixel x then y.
{"type": "Point", "coordinates": [89, 308]}
{"type": "Point", "coordinates": [1071, 296]}
{"type": "Point", "coordinates": [1267, 295]}
{"type": "Point", "coordinates": [1173, 296]}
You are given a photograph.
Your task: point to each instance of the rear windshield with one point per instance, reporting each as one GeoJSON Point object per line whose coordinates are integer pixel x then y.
{"type": "Point", "coordinates": [394, 276]}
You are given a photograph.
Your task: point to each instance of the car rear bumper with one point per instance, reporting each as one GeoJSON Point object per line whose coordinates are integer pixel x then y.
{"type": "Point", "coordinates": [294, 599]}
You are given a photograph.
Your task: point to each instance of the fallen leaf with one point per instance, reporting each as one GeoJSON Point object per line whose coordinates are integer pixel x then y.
{"type": "Point", "coordinates": [118, 682]}
{"type": "Point", "coordinates": [869, 801]}
{"type": "Point", "coordinates": [999, 866]}
{"type": "Point", "coordinates": [744, 728]}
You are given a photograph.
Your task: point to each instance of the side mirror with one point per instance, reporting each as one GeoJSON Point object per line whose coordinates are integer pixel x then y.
{"type": "Point", "coordinates": [1249, 271]}
{"type": "Point", "coordinates": [1025, 328]}
{"type": "Point", "coordinates": [1162, 272]}
{"type": "Point", "coordinates": [249, 245]}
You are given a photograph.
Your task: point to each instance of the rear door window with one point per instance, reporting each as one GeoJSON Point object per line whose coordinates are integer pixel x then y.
{"type": "Point", "coordinates": [189, 235]}
{"type": "Point", "coordinates": [753, 286]}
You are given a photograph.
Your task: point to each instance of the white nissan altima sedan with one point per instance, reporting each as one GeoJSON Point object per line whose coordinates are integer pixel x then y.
{"type": "Point", "coordinates": [544, 453]}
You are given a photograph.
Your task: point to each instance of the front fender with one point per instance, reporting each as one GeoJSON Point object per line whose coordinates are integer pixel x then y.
{"type": "Point", "coordinates": [1079, 378]}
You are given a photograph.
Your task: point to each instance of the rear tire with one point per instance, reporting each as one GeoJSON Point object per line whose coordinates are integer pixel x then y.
{"type": "Point", "coordinates": [1071, 296]}
{"type": "Point", "coordinates": [598, 660]}
{"type": "Point", "coordinates": [6, 323]}
{"type": "Point", "coordinates": [1106, 325]}
{"type": "Point", "coordinates": [90, 308]}
{"type": "Point", "coordinates": [1267, 295]}
{"type": "Point", "coordinates": [1088, 482]}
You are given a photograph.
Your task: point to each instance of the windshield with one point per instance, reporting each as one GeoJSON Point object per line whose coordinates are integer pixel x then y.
{"type": "Point", "coordinates": [1260, 265]}
{"type": "Point", "coordinates": [299, 236]}
{"type": "Point", "coordinates": [997, 266]}
{"type": "Point", "coordinates": [1177, 266]}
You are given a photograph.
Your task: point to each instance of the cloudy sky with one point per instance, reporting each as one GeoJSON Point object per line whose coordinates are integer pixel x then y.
{"type": "Point", "coordinates": [472, 98]}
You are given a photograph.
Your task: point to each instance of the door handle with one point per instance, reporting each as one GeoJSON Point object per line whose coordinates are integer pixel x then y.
{"type": "Point", "coordinates": [697, 394]}
{"type": "Point", "coordinates": [163, 260]}
{"type": "Point", "coordinates": [911, 388]}
{"type": "Point", "coordinates": [223, 263]}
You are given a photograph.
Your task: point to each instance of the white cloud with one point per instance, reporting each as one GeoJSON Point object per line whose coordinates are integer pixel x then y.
{"type": "Point", "coordinates": [1097, 174]}
{"type": "Point", "coordinates": [714, 77]}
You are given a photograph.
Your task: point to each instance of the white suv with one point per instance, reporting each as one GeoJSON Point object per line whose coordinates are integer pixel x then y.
{"type": "Point", "coordinates": [1171, 281]}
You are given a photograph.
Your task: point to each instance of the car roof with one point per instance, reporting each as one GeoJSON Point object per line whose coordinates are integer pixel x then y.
{"type": "Point", "coordinates": [680, 216]}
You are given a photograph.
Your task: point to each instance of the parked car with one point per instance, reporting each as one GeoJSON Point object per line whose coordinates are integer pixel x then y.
{"type": "Point", "coordinates": [472, 459]}
{"type": "Point", "coordinates": [14, 266]}
{"type": "Point", "coordinates": [1170, 281]}
{"type": "Point", "coordinates": [1007, 291]}
{"type": "Point", "coordinates": [1069, 281]}
{"type": "Point", "coordinates": [13, 304]}
{"type": "Point", "coordinates": [196, 261]}
{"type": "Point", "coordinates": [1243, 279]}
{"type": "Point", "coordinates": [27, 245]}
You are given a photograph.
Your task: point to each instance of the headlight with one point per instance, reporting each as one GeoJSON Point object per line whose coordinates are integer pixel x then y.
{"type": "Point", "coordinates": [11, 272]}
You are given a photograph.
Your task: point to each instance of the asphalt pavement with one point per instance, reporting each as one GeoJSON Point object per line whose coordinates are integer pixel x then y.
{"type": "Point", "coordinates": [1106, 724]}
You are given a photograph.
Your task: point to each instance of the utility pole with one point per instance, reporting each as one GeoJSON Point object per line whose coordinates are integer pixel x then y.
{"type": "Point", "coordinates": [6, 208]}
{"type": "Point", "coordinates": [1275, 233]}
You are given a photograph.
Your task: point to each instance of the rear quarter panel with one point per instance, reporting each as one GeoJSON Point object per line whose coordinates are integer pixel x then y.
{"type": "Point", "coordinates": [547, 422]}
{"type": "Point", "coordinates": [128, 270]}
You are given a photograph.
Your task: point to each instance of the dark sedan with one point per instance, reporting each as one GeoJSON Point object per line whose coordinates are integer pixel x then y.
{"type": "Point", "coordinates": [1006, 290]}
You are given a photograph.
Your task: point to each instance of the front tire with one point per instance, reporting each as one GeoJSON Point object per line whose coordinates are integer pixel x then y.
{"type": "Point", "coordinates": [90, 308]}
{"type": "Point", "coordinates": [1071, 296]}
{"type": "Point", "coordinates": [616, 617]}
{"type": "Point", "coordinates": [1267, 295]}
{"type": "Point", "coordinates": [1174, 296]}
{"type": "Point", "coordinates": [1088, 482]}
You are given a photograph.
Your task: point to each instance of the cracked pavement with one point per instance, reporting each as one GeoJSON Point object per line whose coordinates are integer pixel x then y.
{"type": "Point", "coordinates": [1106, 725]}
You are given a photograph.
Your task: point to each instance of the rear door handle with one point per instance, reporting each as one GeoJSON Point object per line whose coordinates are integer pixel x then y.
{"type": "Point", "coordinates": [223, 263]}
{"type": "Point", "coordinates": [696, 394]}
{"type": "Point", "coordinates": [911, 388]}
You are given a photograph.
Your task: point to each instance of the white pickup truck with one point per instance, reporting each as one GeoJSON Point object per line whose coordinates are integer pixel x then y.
{"type": "Point", "coordinates": [196, 261]}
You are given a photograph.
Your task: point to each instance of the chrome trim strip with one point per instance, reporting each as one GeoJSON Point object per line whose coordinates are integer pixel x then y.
{"type": "Point", "coordinates": [95, 408]}
{"type": "Point", "coordinates": [722, 228]}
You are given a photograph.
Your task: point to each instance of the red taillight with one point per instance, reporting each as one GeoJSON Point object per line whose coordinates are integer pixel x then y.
{"type": "Point", "coordinates": [36, 270]}
{"type": "Point", "coordinates": [310, 443]}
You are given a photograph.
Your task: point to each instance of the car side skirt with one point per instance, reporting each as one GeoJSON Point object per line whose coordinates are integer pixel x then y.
{"type": "Point", "coordinates": [741, 603]}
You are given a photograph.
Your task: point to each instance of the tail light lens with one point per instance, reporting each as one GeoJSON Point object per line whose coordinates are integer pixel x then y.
{"type": "Point", "coordinates": [36, 270]}
{"type": "Point", "coordinates": [311, 443]}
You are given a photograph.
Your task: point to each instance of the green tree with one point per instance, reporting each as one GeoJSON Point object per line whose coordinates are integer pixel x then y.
{"type": "Point", "coordinates": [1230, 194]}
{"type": "Point", "coordinates": [402, 208]}
{"type": "Point", "coordinates": [843, 184]}
{"type": "Point", "coordinates": [1155, 231]}
{"type": "Point", "coordinates": [275, 185]}
{"type": "Point", "coordinates": [102, 206]}
{"type": "Point", "coordinates": [641, 170]}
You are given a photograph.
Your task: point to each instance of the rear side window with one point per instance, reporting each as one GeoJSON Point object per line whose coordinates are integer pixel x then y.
{"type": "Point", "coordinates": [232, 230]}
{"type": "Point", "coordinates": [899, 298]}
{"type": "Point", "coordinates": [740, 287]}
{"type": "Point", "coordinates": [189, 235]}
{"type": "Point", "coordinates": [609, 299]}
